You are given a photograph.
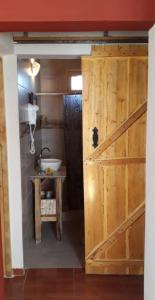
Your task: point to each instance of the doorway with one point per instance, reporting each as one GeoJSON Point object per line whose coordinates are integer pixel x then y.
{"type": "Point", "coordinates": [58, 135]}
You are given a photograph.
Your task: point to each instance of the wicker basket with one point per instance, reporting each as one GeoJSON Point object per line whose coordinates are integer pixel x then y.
{"type": "Point", "coordinates": [48, 207]}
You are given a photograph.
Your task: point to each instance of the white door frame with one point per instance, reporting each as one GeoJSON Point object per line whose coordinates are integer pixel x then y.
{"type": "Point", "coordinates": [149, 270]}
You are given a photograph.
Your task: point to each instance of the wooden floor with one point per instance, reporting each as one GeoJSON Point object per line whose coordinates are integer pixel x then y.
{"type": "Point", "coordinates": [72, 284]}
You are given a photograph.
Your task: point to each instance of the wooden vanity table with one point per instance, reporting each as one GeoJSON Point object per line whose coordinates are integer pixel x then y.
{"type": "Point", "coordinates": [38, 180]}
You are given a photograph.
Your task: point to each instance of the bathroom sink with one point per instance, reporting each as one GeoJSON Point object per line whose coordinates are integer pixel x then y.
{"type": "Point", "coordinates": [50, 164]}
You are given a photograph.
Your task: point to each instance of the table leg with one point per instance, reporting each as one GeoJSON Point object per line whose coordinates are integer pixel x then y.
{"type": "Point", "coordinates": [59, 208]}
{"type": "Point", "coordinates": [37, 184]}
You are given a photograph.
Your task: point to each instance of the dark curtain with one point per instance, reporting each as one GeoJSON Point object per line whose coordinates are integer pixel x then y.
{"type": "Point", "coordinates": [73, 148]}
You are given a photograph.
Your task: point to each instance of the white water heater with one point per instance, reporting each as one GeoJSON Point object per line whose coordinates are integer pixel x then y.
{"type": "Point", "coordinates": [32, 114]}
{"type": "Point", "coordinates": [28, 113]}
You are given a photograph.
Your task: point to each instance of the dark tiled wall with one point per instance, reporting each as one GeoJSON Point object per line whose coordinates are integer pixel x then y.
{"type": "Point", "coordinates": [54, 78]}
{"type": "Point", "coordinates": [27, 85]}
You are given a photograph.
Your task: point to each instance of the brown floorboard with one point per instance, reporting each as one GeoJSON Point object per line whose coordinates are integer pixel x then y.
{"type": "Point", "coordinates": [72, 284]}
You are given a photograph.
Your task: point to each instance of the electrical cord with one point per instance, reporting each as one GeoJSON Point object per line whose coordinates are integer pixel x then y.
{"type": "Point", "coordinates": [32, 145]}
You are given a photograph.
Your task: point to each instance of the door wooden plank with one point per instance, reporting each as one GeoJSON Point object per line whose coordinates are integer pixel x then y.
{"type": "Point", "coordinates": [138, 78]}
{"type": "Point", "coordinates": [136, 238]}
{"type": "Point", "coordinates": [107, 101]}
{"type": "Point", "coordinates": [115, 267]}
{"type": "Point", "coordinates": [116, 100]}
{"type": "Point", "coordinates": [94, 96]}
{"type": "Point", "coordinates": [120, 260]}
{"type": "Point", "coordinates": [94, 210]}
{"type": "Point", "coordinates": [120, 50]}
{"type": "Point", "coordinates": [137, 94]}
{"type": "Point", "coordinates": [115, 194]}
{"type": "Point", "coordinates": [136, 178]}
{"type": "Point", "coordinates": [118, 161]}
{"type": "Point", "coordinates": [119, 131]}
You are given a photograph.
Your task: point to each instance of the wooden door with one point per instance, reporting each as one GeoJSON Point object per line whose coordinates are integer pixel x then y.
{"type": "Point", "coordinates": [114, 101]}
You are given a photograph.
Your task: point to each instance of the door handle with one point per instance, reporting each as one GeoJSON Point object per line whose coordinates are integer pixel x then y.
{"type": "Point", "coordinates": [95, 137]}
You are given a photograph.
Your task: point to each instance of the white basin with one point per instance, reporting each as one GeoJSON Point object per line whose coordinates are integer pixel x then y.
{"type": "Point", "coordinates": [50, 164]}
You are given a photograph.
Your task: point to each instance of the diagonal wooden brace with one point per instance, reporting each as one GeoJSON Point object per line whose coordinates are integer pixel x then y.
{"type": "Point", "coordinates": [118, 132]}
{"type": "Point", "coordinates": [102, 246]}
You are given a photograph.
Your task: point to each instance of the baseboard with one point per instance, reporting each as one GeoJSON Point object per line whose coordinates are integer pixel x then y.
{"type": "Point", "coordinates": [18, 272]}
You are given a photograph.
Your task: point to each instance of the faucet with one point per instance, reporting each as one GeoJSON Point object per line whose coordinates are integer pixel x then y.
{"type": "Point", "coordinates": [42, 150]}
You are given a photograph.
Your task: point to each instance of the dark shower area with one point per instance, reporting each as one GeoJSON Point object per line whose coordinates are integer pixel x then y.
{"type": "Point", "coordinates": [73, 150]}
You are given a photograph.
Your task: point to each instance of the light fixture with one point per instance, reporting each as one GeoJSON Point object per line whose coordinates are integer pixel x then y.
{"type": "Point", "coordinates": [34, 68]}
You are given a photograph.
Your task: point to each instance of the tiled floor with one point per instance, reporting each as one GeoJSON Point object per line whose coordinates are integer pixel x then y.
{"type": "Point", "coordinates": [72, 284]}
{"type": "Point", "coordinates": [50, 253]}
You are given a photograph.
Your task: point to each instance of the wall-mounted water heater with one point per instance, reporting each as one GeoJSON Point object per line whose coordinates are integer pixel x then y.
{"type": "Point", "coordinates": [32, 113]}
{"type": "Point", "coordinates": [32, 120]}
{"type": "Point", "coordinates": [28, 114]}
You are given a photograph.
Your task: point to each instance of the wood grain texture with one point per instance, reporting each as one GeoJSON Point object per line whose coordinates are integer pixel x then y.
{"type": "Point", "coordinates": [94, 206]}
{"type": "Point", "coordinates": [4, 201]}
{"type": "Point", "coordinates": [58, 183]}
{"type": "Point", "coordinates": [39, 181]}
{"type": "Point", "coordinates": [114, 101]}
{"type": "Point", "coordinates": [110, 267]}
{"type": "Point", "coordinates": [73, 284]}
{"type": "Point", "coordinates": [48, 218]}
{"type": "Point", "coordinates": [128, 222]}
{"type": "Point", "coordinates": [120, 50]}
{"type": "Point", "coordinates": [120, 161]}
{"type": "Point", "coordinates": [37, 210]}
{"type": "Point", "coordinates": [119, 131]}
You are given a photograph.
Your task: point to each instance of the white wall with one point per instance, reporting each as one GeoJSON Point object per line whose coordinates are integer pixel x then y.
{"type": "Point", "coordinates": [52, 50]}
{"type": "Point", "coordinates": [149, 291]}
{"type": "Point", "coordinates": [13, 152]}
{"type": "Point", "coordinates": [6, 45]}
{"type": "Point", "coordinates": [13, 146]}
